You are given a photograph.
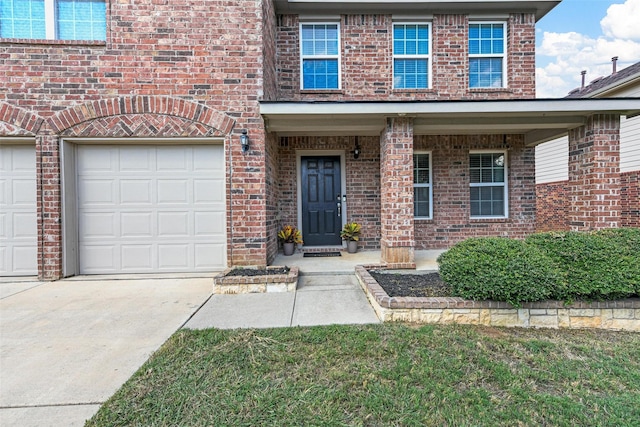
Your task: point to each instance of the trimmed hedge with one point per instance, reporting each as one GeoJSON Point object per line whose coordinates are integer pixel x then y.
{"type": "Point", "coordinates": [499, 269]}
{"type": "Point", "coordinates": [599, 265]}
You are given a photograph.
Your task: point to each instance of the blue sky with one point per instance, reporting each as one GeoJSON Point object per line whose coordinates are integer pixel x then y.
{"type": "Point", "coordinates": [583, 35]}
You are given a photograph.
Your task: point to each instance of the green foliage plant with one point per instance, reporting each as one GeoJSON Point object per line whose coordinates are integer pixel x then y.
{"type": "Point", "coordinates": [290, 234]}
{"type": "Point", "coordinates": [351, 231]}
{"type": "Point", "coordinates": [500, 269]}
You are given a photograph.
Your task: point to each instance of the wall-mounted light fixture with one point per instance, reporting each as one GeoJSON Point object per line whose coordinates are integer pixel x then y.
{"type": "Point", "coordinates": [356, 150]}
{"type": "Point", "coordinates": [244, 141]}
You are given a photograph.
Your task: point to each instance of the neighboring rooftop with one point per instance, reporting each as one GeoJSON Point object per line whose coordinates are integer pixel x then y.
{"type": "Point", "coordinates": [602, 85]}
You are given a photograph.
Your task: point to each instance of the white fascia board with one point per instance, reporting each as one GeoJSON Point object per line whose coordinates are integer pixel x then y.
{"type": "Point", "coordinates": [539, 7]}
{"type": "Point", "coordinates": [626, 106]}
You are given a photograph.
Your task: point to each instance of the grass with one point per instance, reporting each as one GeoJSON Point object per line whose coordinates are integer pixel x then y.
{"type": "Point", "coordinates": [385, 375]}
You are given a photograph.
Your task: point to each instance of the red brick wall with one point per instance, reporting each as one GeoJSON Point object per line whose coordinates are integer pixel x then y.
{"type": "Point", "coordinates": [552, 203]}
{"type": "Point", "coordinates": [594, 174]}
{"type": "Point", "coordinates": [451, 221]}
{"type": "Point", "coordinates": [552, 206]}
{"type": "Point", "coordinates": [366, 61]}
{"type": "Point", "coordinates": [161, 51]}
{"type": "Point", "coordinates": [630, 199]}
{"type": "Point", "coordinates": [362, 177]}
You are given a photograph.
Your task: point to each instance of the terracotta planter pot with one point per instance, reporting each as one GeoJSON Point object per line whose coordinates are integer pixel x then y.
{"type": "Point", "coordinates": [352, 246]}
{"type": "Point", "coordinates": [288, 248]}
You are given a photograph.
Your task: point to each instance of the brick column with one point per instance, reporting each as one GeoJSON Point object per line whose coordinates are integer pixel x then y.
{"type": "Point", "coordinates": [49, 208]}
{"type": "Point", "coordinates": [594, 174]}
{"type": "Point", "coordinates": [396, 193]}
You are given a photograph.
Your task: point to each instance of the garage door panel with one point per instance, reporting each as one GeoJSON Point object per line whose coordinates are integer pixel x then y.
{"type": "Point", "coordinates": [161, 215]}
{"type": "Point", "coordinates": [173, 257]}
{"type": "Point", "coordinates": [206, 253]}
{"type": "Point", "coordinates": [174, 159]}
{"type": "Point", "coordinates": [137, 258]}
{"type": "Point", "coordinates": [98, 225]}
{"type": "Point", "coordinates": [136, 159]}
{"type": "Point", "coordinates": [210, 224]}
{"type": "Point", "coordinates": [136, 192]}
{"type": "Point", "coordinates": [24, 192]}
{"type": "Point", "coordinates": [208, 191]}
{"type": "Point", "coordinates": [24, 226]}
{"type": "Point", "coordinates": [18, 226]}
{"type": "Point", "coordinates": [171, 191]}
{"type": "Point", "coordinates": [95, 159]}
{"type": "Point", "coordinates": [136, 224]}
{"type": "Point", "coordinates": [172, 224]}
{"type": "Point", "coordinates": [97, 192]}
{"type": "Point", "coordinates": [98, 258]}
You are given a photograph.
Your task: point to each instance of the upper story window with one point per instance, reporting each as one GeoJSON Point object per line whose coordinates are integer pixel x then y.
{"type": "Point", "coordinates": [320, 56]}
{"type": "Point", "coordinates": [487, 47]}
{"type": "Point", "coordinates": [411, 60]}
{"type": "Point", "coordinates": [488, 172]}
{"type": "Point", "coordinates": [53, 19]}
{"type": "Point", "coordinates": [422, 194]}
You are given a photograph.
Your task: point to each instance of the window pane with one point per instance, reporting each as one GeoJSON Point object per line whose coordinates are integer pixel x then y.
{"type": "Point", "coordinates": [410, 73]}
{"type": "Point", "coordinates": [421, 201]}
{"type": "Point", "coordinates": [485, 72]}
{"type": "Point", "coordinates": [81, 19]}
{"type": "Point", "coordinates": [320, 74]}
{"type": "Point", "coordinates": [22, 19]}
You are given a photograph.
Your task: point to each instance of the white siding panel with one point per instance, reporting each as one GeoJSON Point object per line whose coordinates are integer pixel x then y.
{"type": "Point", "coordinates": [147, 209]}
{"type": "Point", "coordinates": [552, 161]}
{"type": "Point", "coordinates": [630, 144]}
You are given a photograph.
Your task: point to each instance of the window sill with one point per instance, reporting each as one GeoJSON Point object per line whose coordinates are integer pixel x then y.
{"type": "Point", "coordinates": [490, 89]}
{"type": "Point", "coordinates": [410, 91]}
{"type": "Point", "coordinates": [318, 91]}
{"type": "Point", "coordinates": [54, 42]}
{"type": "Point", "coordinates": [489, 219]}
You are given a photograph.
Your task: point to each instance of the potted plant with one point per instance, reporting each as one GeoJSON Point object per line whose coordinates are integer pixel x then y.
{"type": "Point", "coordinates": [351, 233]}
{"type": "Point", "coordinates": [289, 236]}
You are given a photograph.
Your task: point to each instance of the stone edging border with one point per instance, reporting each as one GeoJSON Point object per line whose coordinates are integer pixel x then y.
{"type": "Point", "coordinates": [614, 315]}
{"type": "Point", "coordinates": [256, 284]}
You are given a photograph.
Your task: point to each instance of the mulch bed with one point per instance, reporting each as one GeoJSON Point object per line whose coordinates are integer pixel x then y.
{"type": "Point", "coordinates": [411, 285]}
{"type": "Point", "coordinates": [257, 271]}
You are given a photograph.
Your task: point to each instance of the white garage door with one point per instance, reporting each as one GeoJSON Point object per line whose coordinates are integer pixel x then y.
{"type": "Point", "coordinates": [18, 240]}
{"type": "Point", "coordinates": [148, 209]}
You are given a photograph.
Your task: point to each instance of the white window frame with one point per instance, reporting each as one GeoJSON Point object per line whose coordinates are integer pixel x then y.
{"type": "Point", "coordinates": [417, 56]}
{"type": "Point", "coordinates": [336, 57]}
{"type": "Point", "coordinates": [50, 23]}
{"type": "Point", "coordinates": [422, 185]}
{"type": "Point", "coordinates": [504, 184]}
{"type": "Point", "coordinates": [503, 56]}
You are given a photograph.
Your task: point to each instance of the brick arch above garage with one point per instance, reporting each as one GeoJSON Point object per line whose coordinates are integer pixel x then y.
{"type": "Point", "coordinates": [16, 121]}
{"type": "Point", "coordinates": [141, 116]}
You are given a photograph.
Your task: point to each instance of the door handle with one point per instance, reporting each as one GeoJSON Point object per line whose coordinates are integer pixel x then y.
{"type": "Point", "coordinates": [339, 207]}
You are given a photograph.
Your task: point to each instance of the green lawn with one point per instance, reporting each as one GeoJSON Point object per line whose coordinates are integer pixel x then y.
{"type": "Point", "coordinates": [385, 375]}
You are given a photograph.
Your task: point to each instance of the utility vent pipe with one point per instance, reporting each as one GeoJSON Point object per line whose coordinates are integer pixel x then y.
{"type": "Point", "coordinates": [583, 73]}
{"type": "Point", "coordinates": [614, 60]}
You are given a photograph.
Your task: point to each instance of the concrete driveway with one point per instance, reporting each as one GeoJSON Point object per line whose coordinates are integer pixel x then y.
{"type": "Point", "coordinates": [67, 346]}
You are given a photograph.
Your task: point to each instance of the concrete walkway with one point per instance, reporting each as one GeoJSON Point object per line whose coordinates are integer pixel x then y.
{"type": "Point", "coordinates": [67, 346]}
{"type": "Point", "coordinates": [321, 299]}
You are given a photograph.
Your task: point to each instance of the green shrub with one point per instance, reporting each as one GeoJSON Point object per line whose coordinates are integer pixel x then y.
{"type": "Point", "coordinates": [600, 265]}
{"type": "Point", "coordinates": [500, 269]}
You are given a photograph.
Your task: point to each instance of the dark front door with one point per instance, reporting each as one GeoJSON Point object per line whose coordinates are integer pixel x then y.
{"type": "Point", "coordinates": [321, 201]}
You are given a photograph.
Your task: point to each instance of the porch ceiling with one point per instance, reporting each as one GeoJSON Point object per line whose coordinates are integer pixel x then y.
{"type": "Point", "coordinates": [538, 7]}
{"type": "Point", "coordinates": [540, 120]}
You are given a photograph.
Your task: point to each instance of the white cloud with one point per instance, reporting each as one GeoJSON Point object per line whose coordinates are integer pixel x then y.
{"type": "Point", "coordinates": [565, 55]}
{"type": "Point", "coordinates": [622, 21]}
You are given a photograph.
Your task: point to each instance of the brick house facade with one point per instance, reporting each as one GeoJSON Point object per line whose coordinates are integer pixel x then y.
{"type": "Point", "coordinates": [168, 82]}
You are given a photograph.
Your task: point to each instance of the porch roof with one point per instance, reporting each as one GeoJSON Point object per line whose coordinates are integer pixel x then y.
{"type": "Point", "coordinates": [539, 7]}
{"type": "Point", "coordinates": [540, 120]}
